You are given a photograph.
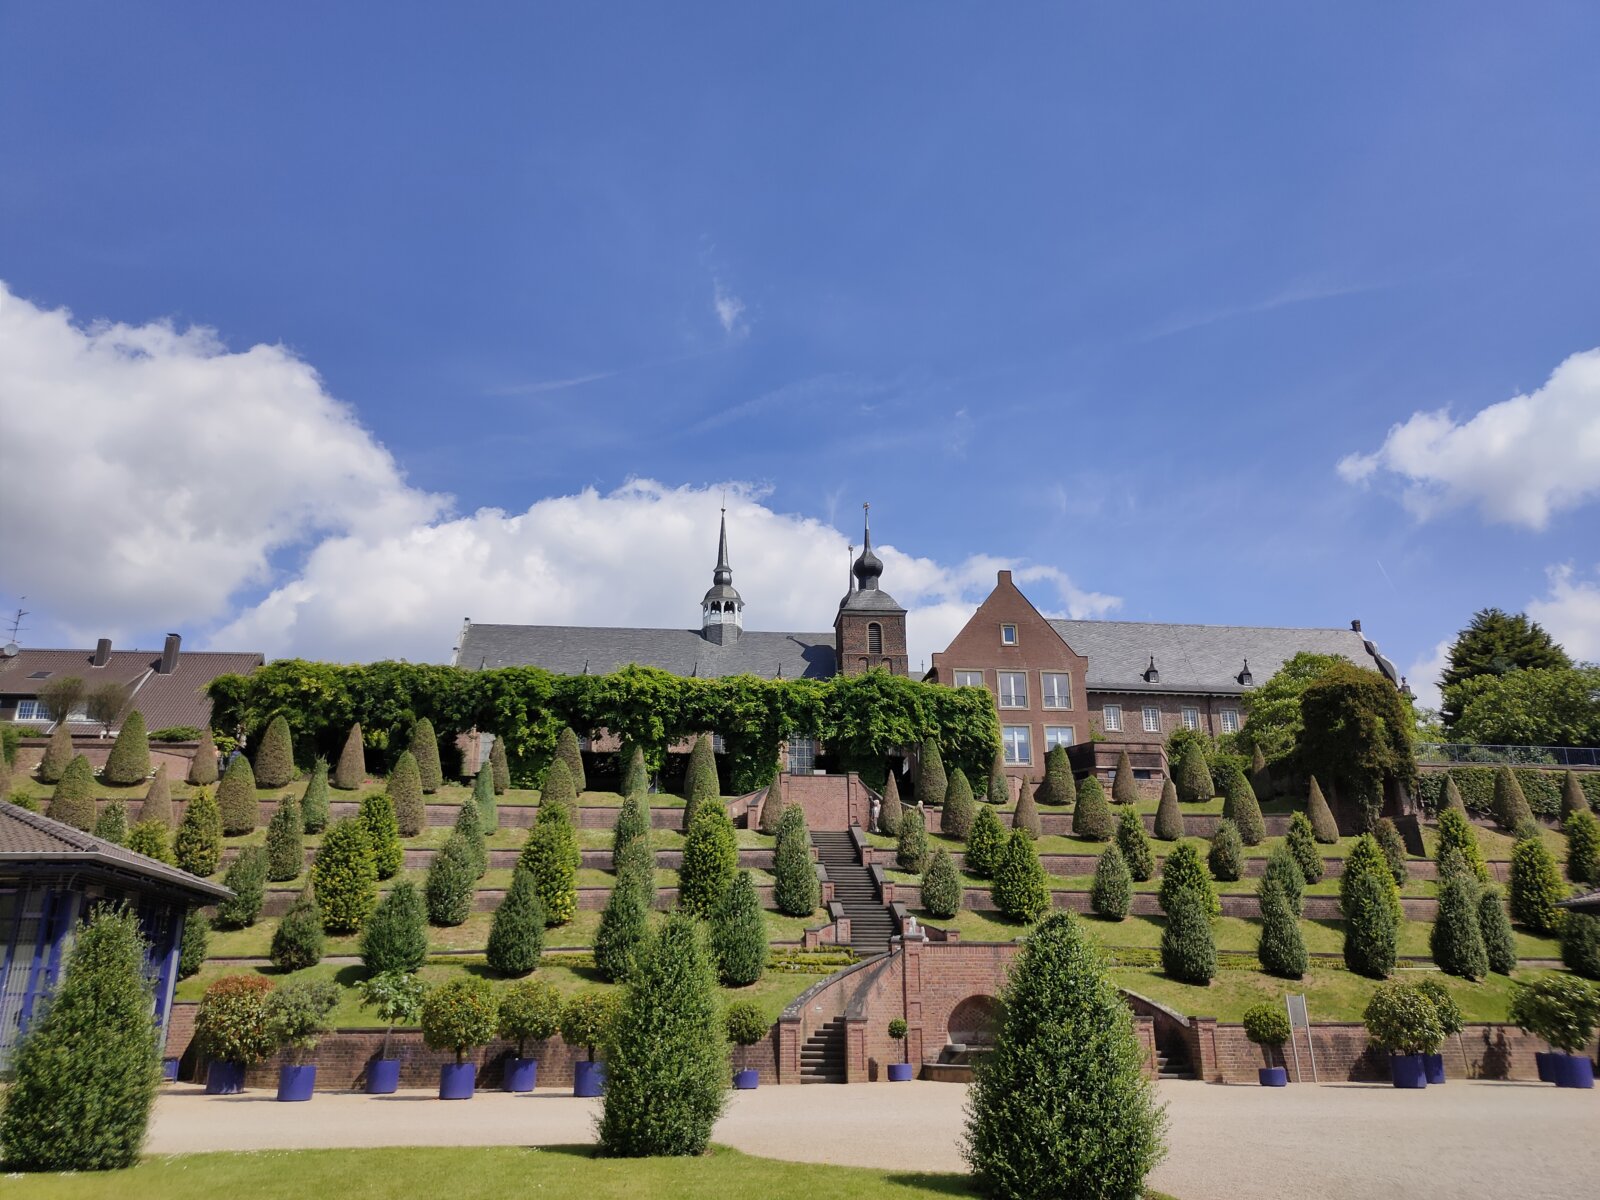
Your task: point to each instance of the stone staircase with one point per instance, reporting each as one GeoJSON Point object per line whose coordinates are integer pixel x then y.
{"type": "Point", "coordinates": [1172, 1066]}
{"type": "Point", "coordinates": [822, 1055]}
{"type": "Point", "coordinates": [871, 925]}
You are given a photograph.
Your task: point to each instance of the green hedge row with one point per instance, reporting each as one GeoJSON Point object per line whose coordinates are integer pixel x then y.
{"type": "Point", "coordinates": [1541, 786]}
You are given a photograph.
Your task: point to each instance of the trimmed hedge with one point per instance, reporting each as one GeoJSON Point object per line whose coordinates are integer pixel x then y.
{"type": "Point", "coordinates": [405, 795]}
{"type": "Point", "coordinates": [1282, 867]}
{"type": "Point", "coordinates": [941, 886]}
{"type": "Point", "coordinates": [376, 814]}
{"type": "Point", "coordinates": [483, 797]}
{"type": "Point", "coordinates": [1058, 786]}
{"type": "Point", "coordinates": [625, 922]}
{"type": "Point", "coordinates": [1192, 776]}
{"type": "Point", "coordinates": [472, 833]}
{"type": "Point", "coordinates": [1169, 817]}
{"type": "Point", "coordinates": [1135, 846]}
{"type": "Point", "coordinates": [1021, 890]}
{"type": "Point", "coordinates": [559, 792]}
{"type": "Point", "coordinates": [286, 848]}
{"type": "Point", "coordinates": [129, 760]}
{"type": "Point", "coordinates": [1458, 837]}
{"type": "Point", "coordinates": [1282, 950]}
{"type": "Point", "coordinates": [499, 770]}
{"type": "Point", "coordinates": [1123, 789]}
{"type": "Point", "coordinates": [1302, 844]}
{"type": "Point", "coordinates": [516, 935]}
{"type": "Point", "coordinates": [795, 889]}
{"type": "Point", "coordinates": [959, 810]}
{"type": "Point", "coordinates": [72, 803]}
{"type": "Point", "coordinates": [157, 805]}
{"type": "Point", "coordinates": [570, 752]}
{"type": "Point", "coordinates": [1394, 849]}
{"type": "Point", "coordinates": [1240, 806]}
{"type": "Point", "coordinates": [246, 877]}
{"type": "Point", "coordinates": [1583, 847]}
{"type": "Point", "coordinates": [203, 766]}
{"type": "Point", "coordinates": [551, 855]}
{"type": "Point", "coordinates": [932, 783]}
{"type": "Point", "coordinates": [985, 844]}
{"type": "Point", "coordinates": [1188, 949]}
{"type": "Point", "coordinates": [351, 772]}
{"type": "Point", "coordinates": [1226, 856]}
{"type": "Point", "coordinates": [1536, 886]}
{"type": "Point", "coordinates": [1091, 816]}
{"type": "Point", "coordinates": [1498, 941]}
{"type": "Point", "coordinates": [1456, 941]}
{"type": "Point", "coordinates": [999, 789]}
{"type": "Point", "coordinates": [197, 848]}
{"type": "Point", "coordinates": [274, 765]}
{"type": "Point", "coordinates": [236, 798]}
{"type": "Point", "coordinates": [739, 934]}
{"type": "Point", "coordinates": [1580, 944]}
{"type": "Point", "coordinates": [450, 881]}
{"type": "Point", "coordinates": [635, 775]}
{"type": "Point", "coordinates": [700, 782]}
{"type": "Point", "coordinates": [395, 937]}
{"type": "Point", "coordinates": [710, 860]}
{"type": "Point", "coordinates": [1112, 893]}
{"type": "Point", "coordinates": [1026, 815]}
{"type": "Point", "coordinates": [911, 854]}
{"type": "Point", "coordinates": [345, 875]}
{"type": "Point", "coordinates": [298, 941]}
{"type": "Point", "coordinates": [58, 753]}
{"type": "Point", "coordinates": [888, 812]}
{"type": "Point", "coordinates": [314, 801]}
{"type": "Point", "coordinates": [1320, 815]}
{"type": "Point", "coordinates": [1182, 871]}
{"type": "Point", "coordinates": [425, 750]}
{"type": "Point", "coordinates": [1371, 922]}
{"type": "Point", "coordinates": [1541, 788]}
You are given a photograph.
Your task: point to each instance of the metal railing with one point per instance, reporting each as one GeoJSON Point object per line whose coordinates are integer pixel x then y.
{"type": "Point", "coordinates": [1518, 756]}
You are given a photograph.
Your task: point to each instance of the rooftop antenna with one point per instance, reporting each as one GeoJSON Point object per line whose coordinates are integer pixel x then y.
{"type": "Point", "coordinates": [9, 650]}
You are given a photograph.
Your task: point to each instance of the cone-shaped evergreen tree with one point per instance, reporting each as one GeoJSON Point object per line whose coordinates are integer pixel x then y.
{"type": "Point", "coordinates": [197, 848]}
{"type": "Point", "coordinates": [1135, 846]}
{"type": "Point", "coordinates": [1020, 890]}
{"type": "Point", "coordinates": [772, 805]}
{"type": "Point", "coordinates": [192, 949]}
{"type": "Point", "coordinates": [1536, 886]}
{"type": "Point", "coordinates": [625, 921]}
{"type": "Point", "coordinates": [246, 877]}
{"type": "Point", "coordinates": [286, 847]}
{"type": "Point", "coordinates": [1188, 949]}
{"type": "Point", "coordinates": [1058, 787]}
{"type": "Point", "coordinates": [405, 794]}
{"type": "Point", "coordinates": [1456, 835]}
{"type": "Point", "coordinates": [236, 798]}
{"type": "Point", "coordinates": [1065, 1044]}
{"type": "Point", "coordinates": [635, 775]}
{"type": "Point", "coordinates": [570, 751]}
{"type": "Point", "coordinates": [559, 792]}
{"type": "Point", "coordinates": [516, 935]}
{"type": "Point", "coordinates": [710, 860]}
{"type": "Point", "coordinates": [739, 934]}
{"type": "Point", "coordinates": [1366, 857]}
{"type": "Point", "coordinates": [1583, 847]}
{"type": "Point", "coordinates": [274, 765]}
{"type": "Point", "coordinates": [1226, 856]}
{"type": "Point", "coordinates": [1112, 893]}
{"type": "Point", "coordinates": [941, 886]}
{"type": "Point", "coordinates": [395, 936]}
{"type": "Point", "coordinates": [1302, 843]}
{"type": "Point", "coordinates": [84, 1079]}
{"type": "Point", "coordinates": [346, 876]}
{"type": "Point", "coordinates": [956, 817]}
{"type": "Point", "coordinates": [1123, 789]}
{"type": "Point", "coordinates": [932, 783]}
{"type": "Point", "coordinates": [1091, 816]}
{"type": "Point", "coordinates": [1452, 796]}
{"type": "Point", "coordinates": [1580, 944]}
{"type": "Point", "coordinates": [700, 782]}
{"type": "Point", "coordinates": [1510, 805]}
{"type": "Point", "coordinates": [483, 797]}
{"type": "Point", "coordinates": [667, 1051]}
{"type": "Point", "coordinates": [548, 856]}
{"type": "Point", "coordinates": [467, 826]}
{"type": "Point", "coordinates": [425, 749]}
{"type": "Point", "coordinates": [912, 852]}
{"type": "Point", "coordinates": [1027, 814]}
{"type": "Point", "coordinates": [351, 772]}
{"type": "Point", "coordinates": [58, 754]}
{"type": "Point", "coordinates": [1321, 816]}
{"type": "Point", "coordinates": [450, 881]}
{"type": "Point", "coordinates": [157, 804]}
{"type": "Point", "coordinates": [149, 838]}
{"type": "Point", "coordinates": [72, 803]}
{"type": "Point", "coordinates": [1239, 805]}
{"type": "Point", "coordinates": [1169, 817]}
{"type": "Point", "coordinates": [888, 813]}
{"type": "Point", "coordinates": [1193, 775]}
{"type": "Point", "coordinates": [1281, 950]}
{"type": "Point", "coordinates": [985, 844]}
{"type": "Point", "coordinates": [1282, 867]}
{"type": "Point", "coordinates": [129, 760]}
{"type": "Point", "coordinates": [376, 814]}
{"type": "Point", "coordinates": [633, 821]}
{"type": "Point", "coordinates": [112, 823]}
{"type": "Point", "coordinates": [314, 802]}
{"type": "Point", "coordinates": [999, 789]}
{"type": "Point", "coordinates": [298, 941]}
{"type": "Point", "coordinates": [1184, 872]}
{"type": "Point", "coordinates": [1456, 941]}
{"type": "Point", "coordinates": [1260, 774]}
{"type": "Point", "coordinates": [1394, 849]}
{"type": "Point", "coordinates": [1498, 941]}
{"type": "Point", "coordinates": [795, 889]}
{"type": "Point", "coordinates": [1371, 927]}
{"type": "Point", "coordinates": [1572, 797]}
{"type": "Point", "coordinates": [203, 766]}
{"type": "Point", "coordinates": [499, 769]}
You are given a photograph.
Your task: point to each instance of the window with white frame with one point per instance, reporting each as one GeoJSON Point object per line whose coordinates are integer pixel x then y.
{"type": "Point", "coordinates": [1111, 715]}
{"type": "Point", "coordinates": [1008, 635]}
{"type": "Point", "coordinates": [1013, 689]}
{"type": "Point", "coordinates": [1230, 720]}
{"type": "Point", "coordinates": [719, 744]}
{"type": "Point", "coordinates": [32, 710]}
{"type": "Point", "coordinates": [1056, 687]}
{"type": "Point", "coordinates": [969, 678]}
{"type": "Point", "coordinates": [1152, 719]}
{"type": "Point", "coordinates": [1057, 735]}
{"type": "Point", "coordinates": [1018, 743]}
{"type": "Point", "coordinates": [802, 755]}
{"type": "Point", "coordinates": [1191, 718]}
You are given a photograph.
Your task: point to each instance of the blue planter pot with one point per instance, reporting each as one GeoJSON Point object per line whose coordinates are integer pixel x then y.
{"type": "Point", "coordinates": [522, 1074]}
{"type": "Point", "coordinates": [1542, 1059]}
{"type": "Point", "coordinates": [1571, 1070]}
{"type": "Point", "coordinates": [901, 1072]}
{"type": "Point", "coordinates": [456, 1081]}
{"type": "Point", "coordinates": [1408, 1071]}
{"type": "Point", "coordinates": [1273, 1076]}
{"type": "Point", "coordinates": [588, 1078]}
{"type": "Point", "coordinates": [169, 1070]}
{"type": "Point", "coordinates": [1433, 1067]}
{"type": "Point", "coordinates": [746, 1081]}
{"type": "Point", "coordinates": [224, 1079]}
{"type": "Point", "coordinates": [296, 1083]}
{"type": "Point", "coordinates": [383, 1076]}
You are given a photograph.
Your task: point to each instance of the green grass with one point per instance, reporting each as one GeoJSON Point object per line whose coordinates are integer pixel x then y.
{"type": "Point", "coordinates": [483, 1173]}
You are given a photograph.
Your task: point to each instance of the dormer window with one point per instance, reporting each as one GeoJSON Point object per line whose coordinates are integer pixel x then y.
{"type": "Point", "coordinates": [1151, 675]}
{"type": "Point", "coordinates": [1244, 676]}
{"type": "Point", "coordinates": [1008, 635]}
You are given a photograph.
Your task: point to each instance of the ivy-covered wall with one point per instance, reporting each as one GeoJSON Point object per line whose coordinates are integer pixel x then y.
{"type": "Point", "coordinates": [1541, 786]}
{"type": "Point", "coordinates": [859, 717]}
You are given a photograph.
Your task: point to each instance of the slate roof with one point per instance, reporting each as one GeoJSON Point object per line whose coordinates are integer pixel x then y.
{"type": "Point", "coordinates": [1203, 658]}
{"type": "Point", "coordinates": [163, 700]}
{"type": "Point", "coordinates": [27, 837]}
{"type": "Point", "coordinates": [574, 649]}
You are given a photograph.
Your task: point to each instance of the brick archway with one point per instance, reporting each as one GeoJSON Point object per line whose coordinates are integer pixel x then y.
{"type": "Point", "coordinates": [973, 1022]}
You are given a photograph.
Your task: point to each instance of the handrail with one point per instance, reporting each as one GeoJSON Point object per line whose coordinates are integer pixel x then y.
{"type": "Point", "coordinates": [1468, 754]}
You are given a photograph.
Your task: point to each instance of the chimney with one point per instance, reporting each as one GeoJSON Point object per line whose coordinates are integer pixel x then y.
{"type": "Point", "coordinates": [169, 655]}
{"type": "Point", "coordinates": [102, 653]}
{"type": "Point", "coordinates": [1002, 577]}
{"type": "Point", "coordinates": [1356, 625]}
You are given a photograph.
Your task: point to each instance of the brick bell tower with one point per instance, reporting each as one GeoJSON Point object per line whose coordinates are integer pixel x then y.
{"type": "Point", "coordinates": [870, 631]}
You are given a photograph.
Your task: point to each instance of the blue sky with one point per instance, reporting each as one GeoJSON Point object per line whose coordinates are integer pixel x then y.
{"type": "Point", "coordinates": [1107, 290]}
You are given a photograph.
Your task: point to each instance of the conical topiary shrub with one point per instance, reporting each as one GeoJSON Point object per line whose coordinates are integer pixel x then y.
{"type": "Point", "coordinates": [635, 775]}
{"type": "Point", "coordinates": [1188, 949]}
{"type": "Point", "coordinates": [912, 852]}
{"type": "Point", "coordinates": [772, 806]}
{"type": "Point", "coordinates": [570, 751]}
{"type": "Point", "coordinates": [157, 805]}
{"type": "Point", "coordinates": [1281, 950]}
{"type": "Point", "coordinates": [1302, 844]}
{"type": "Point", "coordinates": [197, 848]}
{"type": "Point", "coordinates": [286, 848]}
{"type": "Point", "coordinates": [274, 765]}
{"type": "Point", "coordinates": [57, 754]}
{"type": "Point", "coordinates": [625, 921]}
{"type": "Point", "coordinates": [1452, 796]}
{"type": "Point", "coordinates": [1226, 856]}
{"type": "Point", "coordinates": [1583, 847]}
{"type": "Point", "coordinates": [795, 887]}
{"type": "Point", "coordinates": [72, 803]}
{"type": "Point", "coordinates": [499, 769]}
{"type": "Point", "coordinates": [516, 935]}
{"type": "Point", "coordinates": [246, 878]}
{"type": "Point", "coordinates": [472, 833]}
{"type": "Point", "coordinates": [1112, 892]}
{"type": "Point", "coordinates": [985, 844]}
{"type": "Point", "coordinates": [314, 802]}
{"type": "Point", "coordinates": [710, 860]}
{"type": "Point", "coordinates": [1499, 943]}
{"type": "Point", "coordinates": [298, 941]}
{"type": "Point", "coordinates": [112, 823]}
{"type": "Point", "coordinates": [425, 750]}
{"type": "Point", "coordinates": [558, 791]}
{"type": "Point", "coordinates": [1135, 846]}
{"type": "Point", "coordinates": [1058, 787]}
{"type": "Point", "coordinates": [548, 855]}
{"type": "Point", "coordinates": [738, 933]}
{"type": "Point", "coordinates": [1321, 816]}
{"type": "Point", "coordinates": [888, 813]}
{"type": "Point", "coordinates": [149, 838]}
{"type": "Point", "coordinates": [405, 794]}
{"type": "Point", "coordinates": [1169, 817]}
{"type": "Point", "coordinates": [1282, 867]}
{"type": "Point", "coordinates": [129, 760]}
{"type": "Point", "coordinates": [1091, 816]}
{"type": "Point", "coordinates": [700, 782]}
{"type": "Point", "coordinates": [1456, 941]}
{"type": "Point", "coordinates": [483, 797]}
{"type": "Point", "coordinates": [351, 772]}
{"type": "Point", "coordinates": [203, 765]}
{"type": "Point", "coordinates": [955, 818]}
{"type": "Point", "coordinates": [1182, 871]}
{"type": "Point", "coordinates": [236, 798]}
{"type": "Point", "coordinates": [932, 783]}
{"type": "Point", "coordinates": [1027, 814]}
{"type": "Point", "coordinates": [376, 814]}
{"type": "Point", "coordinates": [1021, 890]}
{"type": "Point", "coordinates": [1239, 805]}
{"type": "Point", "coordinates": [1510, 805]}
{"type": "Point", "coordinates": [1572, 798]}
{"type": "Point", "coordinates": [1536, 886]}
{"type": "Point", "coordinates": [1394, 849]}
{"type": "Point", "coordinates": [633, 821]}
{"type": "Point", "coordinates": [941, 886]}
{"type": "Point", "coordinates": [1193, 775]}
{"type": "Point", "coordinates": [449, 885]}
{"type": "Point", "coordinates": [395, 936]}
{"type": "Point", "coordinates": [1123, 788]}
{"type": "Point", "coordinates": [1371, 917]}
{"type": "Point", "coordinates": [999, 787]}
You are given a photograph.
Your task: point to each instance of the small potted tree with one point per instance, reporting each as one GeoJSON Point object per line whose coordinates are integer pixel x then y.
{"type": "Point", "coordinates": [1450, 1023]}
{"type": "Point", "coordinates": [297, 1015]}
{"type": "Point", "coordinates": [1403, 1023]}
{"type": "Point", "coordinates": [1267, 1025]}
{"type": "Point", "coordinates": [1563, 1010]}
{"type": "Point", "coordinates": [231, 1028]}
{"type": "Point", "coordinates": [746, 1027]}
{"type": "Point", "coordinates": [530, 1011]}
{"type": "Point", "coordinates": [397, 997]}
{"type": "Point", "coordinates": [585, 1020]}
{"type": "Point", "coordinates": [900, 1072]}
{"type": "Point", "coordinates": [456, 1017]}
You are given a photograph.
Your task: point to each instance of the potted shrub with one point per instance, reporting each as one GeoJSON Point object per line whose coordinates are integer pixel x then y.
{"type": "Point", "coordinates": [901, 1071]}
{"type": "Point", "coordinates": [297, 1015]}
{"type": "Point", "coordinates": [397, 997]}
{"type": "Point", "coordinates": [585, 1019]}
{"type": "Point", "coordinates": [231, 1028]}
{"type": "Point", "coordinates": [530, 1011]}
{"type": "Point", "coordinates": [1403, 1022]}
{"type": "Point", "coordinates": [1267, 1025]}
{"type": "Point", "coordinates": [1450, 1022]}
{"type": "Point", "coordinates": [456, 1017]}
{"type": "Point", "coordinates": [746, 1027]}
{"type": "Point", "coordinates": [1562, 1010]}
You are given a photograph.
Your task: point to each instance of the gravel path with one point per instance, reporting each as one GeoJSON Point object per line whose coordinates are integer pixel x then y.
{"type": "Point", "coordinates": [1226, 1143]}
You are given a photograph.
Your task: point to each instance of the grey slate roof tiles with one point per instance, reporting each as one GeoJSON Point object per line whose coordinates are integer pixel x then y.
{"type": "Point", "coordinates": [574, 649]}
{"type": "Point", "coordinates": [31, 837]}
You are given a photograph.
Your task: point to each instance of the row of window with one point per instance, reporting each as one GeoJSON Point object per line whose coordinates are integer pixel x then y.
{"type": "Point", "coordinates": [1055, 687]}
{"type": "Point", "coordinates": [1018, 740]}
{"type": "Point", "coordinates": [1111, 718]}
{"type": "Point", "coordinates": [32, 710]}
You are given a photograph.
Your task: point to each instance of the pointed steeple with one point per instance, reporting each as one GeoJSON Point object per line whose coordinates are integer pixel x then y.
{"type": "Point", "coordinates": [723, 573]}
{"type": "Point", "coordinates": [722, 608]}
{"type": "Point", "coordinates": [868, 567]}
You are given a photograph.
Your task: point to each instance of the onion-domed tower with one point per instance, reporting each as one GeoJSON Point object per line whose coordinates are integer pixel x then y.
{"type": "Point", "coordinates": [722, 608]}
{"type": "Point", "coordinates": [870, 631]}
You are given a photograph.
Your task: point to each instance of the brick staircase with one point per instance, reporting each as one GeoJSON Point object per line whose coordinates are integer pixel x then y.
{"type": "Point", "coordinates": [822, 1055]}
{"type": "Point", "coordinates": [871, 925]}
{"type": "Point", "coordinates": [1172, 1066]}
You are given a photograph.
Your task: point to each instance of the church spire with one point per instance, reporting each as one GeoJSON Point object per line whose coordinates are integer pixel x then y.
{"type": "Point", "coordinates": [868, 567]}
{"type": "Point", "coordinates": [723, 573]}
{"type": "Point", "coordinates": [722, 608]}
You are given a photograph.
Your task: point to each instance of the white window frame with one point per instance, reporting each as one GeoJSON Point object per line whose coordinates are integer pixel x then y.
{"type": "Point", "coordinates": [1000, 678]}
{"type": "Point", "coordinates": [1059, 735]}
{"type": "Point", "coordinates": [36, 710]}
{"type": "Point", "coordinates": [802, 755]}
{"type": "Point", "coordinates": [1063, 694]}
{"type": "Point", "coordinates": [719, 744]}
{"type": "Point", "coordinates": [1008, 635]}
{"type": "Point", "coordinates": [1230, 720]}
{"type": "Point", "coordinates": [1111, 718]}
{"type": "Point", "coordinates": [1151, 714]}
{"type": "Point", "coordinates": [973, 678]}
{"type": "Point", "coordinates": [1015, 737]}
{"type": "Point", "coordinates": [1191, 718]}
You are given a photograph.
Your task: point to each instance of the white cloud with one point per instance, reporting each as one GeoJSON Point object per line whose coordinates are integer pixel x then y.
{"type": "Point", "coordinates": [1519, 461]}
{"type": "Point", "coordinates": [1571, 612]}
{"type": "Point", "coordinates": [729, 309]}
{"type": "Point", "coordinates": [1424, 672]}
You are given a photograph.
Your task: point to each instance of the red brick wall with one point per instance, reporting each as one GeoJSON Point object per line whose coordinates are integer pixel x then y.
{"type": "Point", "coordinates": [1170, 707]}
{"type": "Point", "coordinates": [851, 645]}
